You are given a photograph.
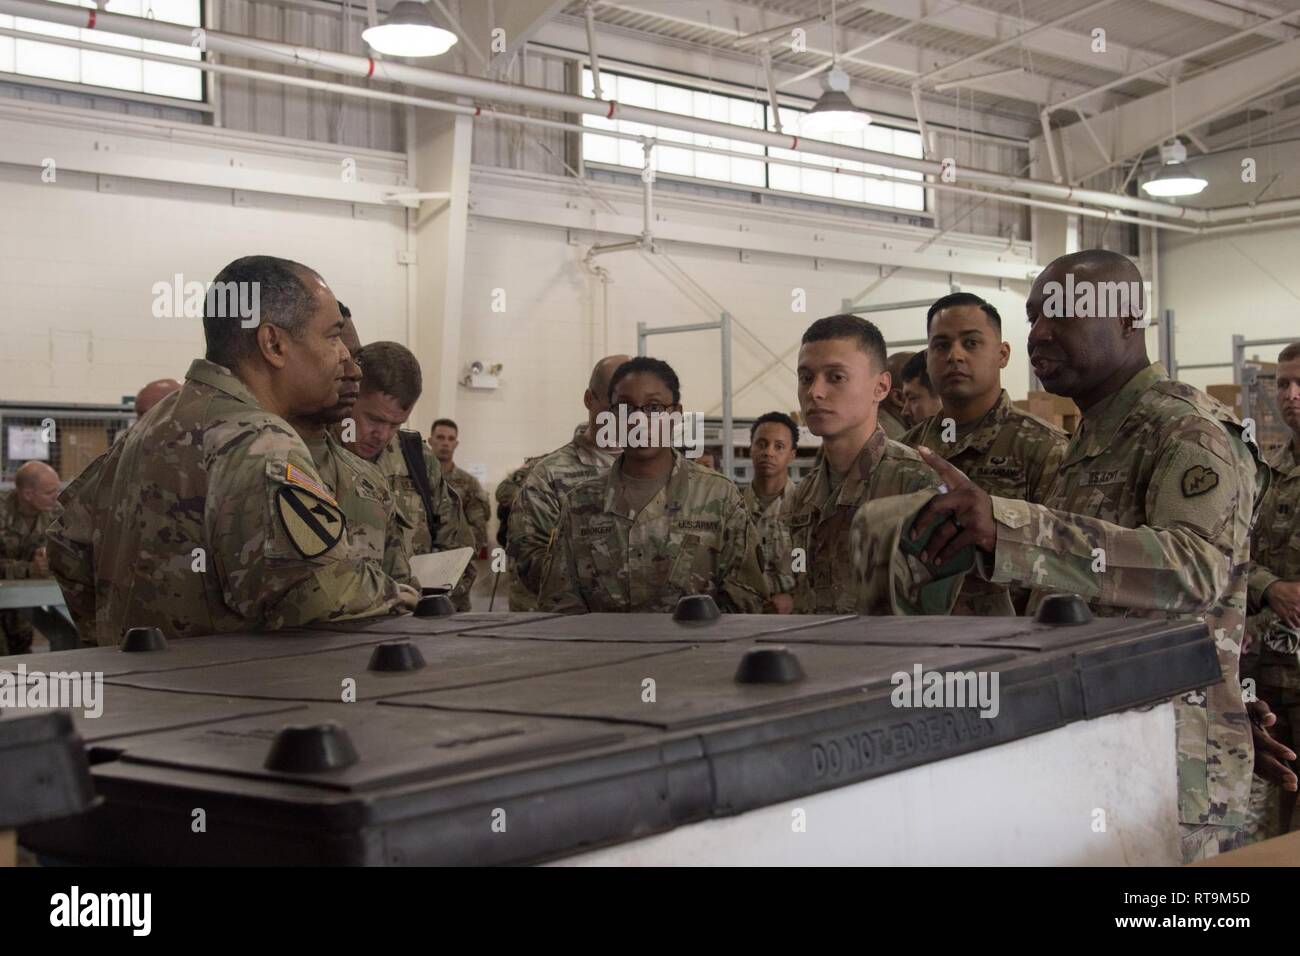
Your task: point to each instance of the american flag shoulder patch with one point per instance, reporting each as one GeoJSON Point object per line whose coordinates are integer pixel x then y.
{"type": "Point", "coordinates": [296, 476]}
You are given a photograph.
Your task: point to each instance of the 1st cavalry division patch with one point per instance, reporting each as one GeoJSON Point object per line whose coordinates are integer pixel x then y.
{"type": "Point", "coordinates": [312, 525]}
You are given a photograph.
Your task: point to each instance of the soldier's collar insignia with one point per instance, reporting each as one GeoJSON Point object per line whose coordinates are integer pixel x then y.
{"type": "Point", "coordinates": [1198, 479]}
{"type": "Point", "coordinates": [296, 476]}
{"type": "Point", "coordinates": [313, 526]}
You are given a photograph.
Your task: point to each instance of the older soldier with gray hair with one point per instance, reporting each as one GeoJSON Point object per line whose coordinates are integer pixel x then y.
{"type": "Point", "coordinates": [210, 515]}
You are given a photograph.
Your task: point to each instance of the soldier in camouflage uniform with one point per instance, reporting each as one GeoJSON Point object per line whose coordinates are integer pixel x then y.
{"type": "Point", "coordinates": [536, 509]}
{"type": "Point", "coordinates": [1149, 517]}
{"type": "Point", "coordinates": [773, 442]}
{"type": "Point", "coordinates": [363, 494]}
{"type": "Point", "coordinates": [890, 413]}
{"type": "Point", "coordinates": [1273, 601]}
{"type": "Point", "coordinates": [391, 383]}
{"type": "Point", "coordinates": [657, 527]}
{"type": "Point", "coordinates": [1007, 452]}
{"type": "Point", "coordinates": [25, 514]}
{"type": "Point", "coordinates": [210, 515]}
{"type": "Point", "coordinates": [444, 437]}
{"type": "Point", "coordinates": [842, 380]}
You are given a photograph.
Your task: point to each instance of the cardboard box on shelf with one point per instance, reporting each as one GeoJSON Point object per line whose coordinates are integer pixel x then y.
{"type": "Point", "coordinates": [1057, 409]}
{"type": "Point", "coordinates": [79, 444]}
{"type": "Point", "coordinates": [1230, 395]}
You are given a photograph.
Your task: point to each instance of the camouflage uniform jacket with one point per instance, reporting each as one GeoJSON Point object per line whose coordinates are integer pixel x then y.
{"type": "Point", "coordinates": [474, 500]}
{"type": "Point", "coordinates": [1009, 453]}
{"type": "Point", "coordinates": [773, 537]}
{"type": "Point", "coordinates": [1158, 485]}
{"type": "Point", "coordinates": [210, 517]}
{"type": "Point", "coordinates": [20, 536]}
{"type": "Point", "coordinates": [891, 423]}
{"type": "Point", "coordinates": [536, 511]}
{"type": "Point", "coordinates": [367, 502]}
{"type": "Point", "coordinates": [820, 518]}
{"type": "Point", "coordinates": [70, 545]}
{"type": "Point", "coordinates": [693, 537]}
{"type": "Point", "coordinates": [453, 530]}
{"type": "Point", "coordinates": [1275, 555]}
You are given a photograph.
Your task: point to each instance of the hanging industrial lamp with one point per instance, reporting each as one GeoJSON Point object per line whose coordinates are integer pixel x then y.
{"type": "Point", "coordinates": [409, 30]}
{"type": "Point", "coordinates": [834, 113]}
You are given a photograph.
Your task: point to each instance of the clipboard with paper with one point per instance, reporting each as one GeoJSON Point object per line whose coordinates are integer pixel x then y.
{"type": "Point", "coordinates": [442, 569]}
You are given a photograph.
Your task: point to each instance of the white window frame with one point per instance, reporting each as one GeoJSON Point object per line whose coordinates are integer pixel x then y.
{"type": "Point", "coordinates": [203, 104]}
{"type": "Point", "coordinates": [596, 123]}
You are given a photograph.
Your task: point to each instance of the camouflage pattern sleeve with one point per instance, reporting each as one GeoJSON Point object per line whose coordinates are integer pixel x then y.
{"type": "Point", "coordinates": [559, 589]}
{"type": "Point", "coordinates": [1178, 562]}
{"type": "Point", "coordinates": [69, 546]}
{"type": "Point", "coordinates": [279, 542]}
{"type": "Point", "coordinates": [742, 588]}
{"type": "Point", "coordinates": [397, 562]}
{"type": "Point", "coordinates": [890, 576]}
{"type": "Point", "coordinates": [536, 510]}
{"type": "Point", "coordinates": [779, 571]}
{"type": "Point", "coordinates": [1043, 468]}
{"type": "Point", "coordinates": [1257, 583]}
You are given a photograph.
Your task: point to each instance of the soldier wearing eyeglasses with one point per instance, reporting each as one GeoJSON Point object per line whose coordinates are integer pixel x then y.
{"type": "Point", "coordinates": [658, 526]}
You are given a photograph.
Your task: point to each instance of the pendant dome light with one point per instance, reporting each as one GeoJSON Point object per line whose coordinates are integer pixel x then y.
{"type": "Point", "coordinates": [834, 113]}
{"type": "Point", "coordinates": [1174, 178]}
{"type": "Point", "coordinates": [409, 30]}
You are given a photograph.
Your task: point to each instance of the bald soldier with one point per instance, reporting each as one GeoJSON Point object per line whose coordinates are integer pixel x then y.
{"type": "Point", "coordinates": [25, 514]}
{"type": "Point", "coordinates": [210, 515]}
{"type": "Point", "coordinates": [153, 393]}
{"type": "Point", "coordinates": [890, 414]}
{"type": "Point", "coordinates": [429, 510]}
{"type": "Point", "coordinates": [374, 527]}
{"type": "Point", "coordinates": [1150, 515]}
{"type": "Point", "coordinates": [843, 378]}
{"type": "Point", "coordinates": [1006, 451]}
{"type": "Point", "coordinates": [536, 509]}
{"type": "Point", "coordinates": [657, 526]}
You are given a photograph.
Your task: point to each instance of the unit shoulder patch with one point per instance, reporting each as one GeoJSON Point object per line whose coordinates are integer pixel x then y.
{"type": "Point", "coordinates": [314, 525]}
{"type": "Point", "coordinates": [1198, 479]}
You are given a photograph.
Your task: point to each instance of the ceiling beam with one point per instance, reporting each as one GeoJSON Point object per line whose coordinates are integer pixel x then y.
{"type": "Point", "coordinates": [1074, 45]}
{"type": "Point", "coordinates": [518, 19]}
{"type": "Point", "coordinates": [730, 19]}
{"type": "Point", "coordinates": [1240, 19]}
{"type": "Point", "coordinates": [1133, 127]}
{"type": "Point", "coordinates": [1258, 129]}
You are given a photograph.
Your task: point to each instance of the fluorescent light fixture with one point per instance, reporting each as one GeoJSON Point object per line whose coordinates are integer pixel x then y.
{"type": "Point", "coordinates": [409, 30]}
{"type": "Point", "coordinates": [834, 113]}
{"type": "Point", "coordinates": [1174, 178]}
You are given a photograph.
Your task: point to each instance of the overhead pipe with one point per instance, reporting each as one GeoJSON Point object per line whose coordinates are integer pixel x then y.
{"type": "Point", "coordinates": [483, 89]}
{"type": "Point", "coordinates": [542, 122]}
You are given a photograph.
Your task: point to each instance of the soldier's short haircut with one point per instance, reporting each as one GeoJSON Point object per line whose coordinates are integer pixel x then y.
{"type": "Point", "coordinates": [391, 368]}
{"type": "Point", "coordinates": [656, 367]}
{"type": "Point", "coordinates": [1290, 353]}
{"type": "Point", "coordinates": [915, 369]}
{"type": "Point", "coordinates": [446, 423]}
{"type": "Point", "coordinates": [964, 298]}
{"type": "Point", "coordinates": [283, 300]}
{"type": "Point", "coordinates": [864, 333]}
{"type": "Point", "coordinates": [781, 418]}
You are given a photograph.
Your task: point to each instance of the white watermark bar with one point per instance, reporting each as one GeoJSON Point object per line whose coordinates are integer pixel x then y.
{"type": "Point", "coordinates": [947, 689]}
{"type": "Point", "coordinates": [638, 429]}
{"type": "Point", "coordinates": [38, 690]}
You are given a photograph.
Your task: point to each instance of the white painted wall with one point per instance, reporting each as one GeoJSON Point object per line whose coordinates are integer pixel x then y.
{"type": "Point", "coordinates": [553, 329]}
{"type": "Point", "coordinates": [78, 266]}
{"type": "Point", "coordinates": [1243, 283]}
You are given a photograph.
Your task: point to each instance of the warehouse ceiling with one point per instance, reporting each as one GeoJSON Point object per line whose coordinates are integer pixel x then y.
{"type": "Point", "coordinates": [1010, 57]}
